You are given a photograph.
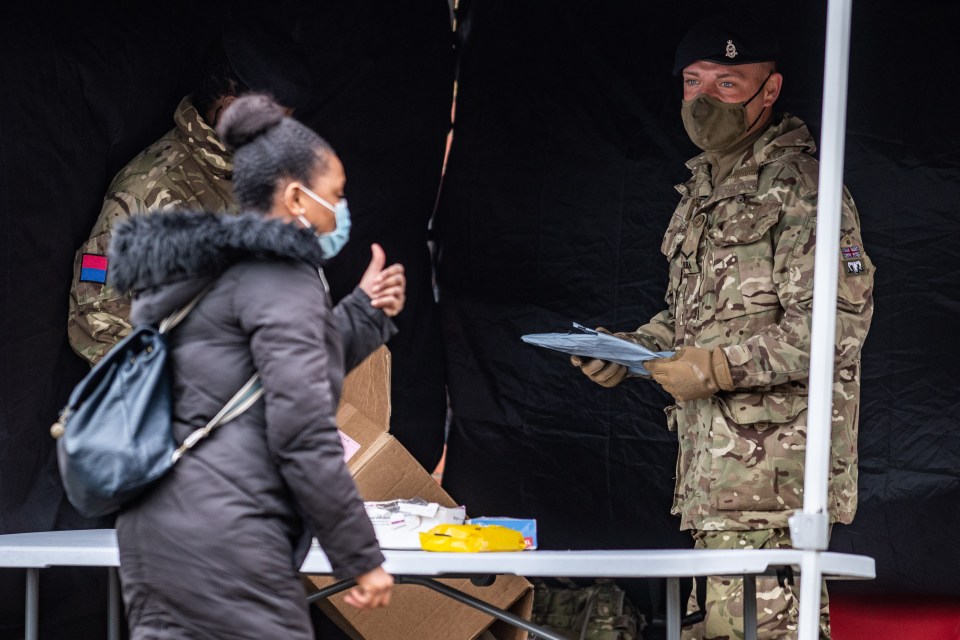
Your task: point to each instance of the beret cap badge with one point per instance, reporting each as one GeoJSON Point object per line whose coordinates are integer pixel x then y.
{"type": "Point", "coordinates": [731, 50]}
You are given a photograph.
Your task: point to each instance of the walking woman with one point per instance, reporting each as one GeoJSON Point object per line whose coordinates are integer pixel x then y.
{"type": "Point", "coordinates": [213, 550]}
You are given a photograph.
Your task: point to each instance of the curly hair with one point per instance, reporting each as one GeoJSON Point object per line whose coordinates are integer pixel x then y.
{"type": "Point", "coordinates": [268, 146]}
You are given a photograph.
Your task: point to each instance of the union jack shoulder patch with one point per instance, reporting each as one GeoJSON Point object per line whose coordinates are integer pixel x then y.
{"type": "Point", "coordinates": [851, 252]}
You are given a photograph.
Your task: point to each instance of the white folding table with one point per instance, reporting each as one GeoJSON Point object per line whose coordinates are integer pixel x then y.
{"type": "Point", "coordinates": [98, 548]}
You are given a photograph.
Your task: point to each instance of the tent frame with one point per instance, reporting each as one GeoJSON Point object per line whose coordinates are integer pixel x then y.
{"type": "Point", "coordinates": [809, 529]}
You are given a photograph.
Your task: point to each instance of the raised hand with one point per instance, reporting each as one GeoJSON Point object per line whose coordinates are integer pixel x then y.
{"type": "Point", "coordinates": [387, 288]}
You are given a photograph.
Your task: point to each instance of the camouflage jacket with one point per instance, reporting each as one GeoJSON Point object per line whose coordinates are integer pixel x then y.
{"type": "Point", "coordinates": [741, 278]}
{"type": "Point", "coordinates": [187, 168]}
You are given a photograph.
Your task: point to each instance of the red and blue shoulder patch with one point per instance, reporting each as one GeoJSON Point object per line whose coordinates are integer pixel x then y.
{"type": "Point", "coordinates": [93, 268]}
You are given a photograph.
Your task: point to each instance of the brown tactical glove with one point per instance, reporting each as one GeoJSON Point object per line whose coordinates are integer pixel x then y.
{"type": "Point", "coordinates": [692, 373]}
{"type": "Point", "coordinates": [605, 374]}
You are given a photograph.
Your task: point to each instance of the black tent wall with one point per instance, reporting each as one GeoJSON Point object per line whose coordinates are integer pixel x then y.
{"type": "Point", "coordinates": [559, 185]}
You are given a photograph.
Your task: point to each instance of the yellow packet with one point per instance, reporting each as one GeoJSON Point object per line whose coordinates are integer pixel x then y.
{"type": "Point", "coordinates": [472, 538]}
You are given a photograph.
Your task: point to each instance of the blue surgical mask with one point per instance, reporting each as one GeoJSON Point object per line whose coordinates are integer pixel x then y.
{"type": "Point", "coordinates": [331, 243]}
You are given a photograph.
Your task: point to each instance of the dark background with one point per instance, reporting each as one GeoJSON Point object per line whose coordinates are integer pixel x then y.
{"type": "Point", "coordinates": [567, 145]}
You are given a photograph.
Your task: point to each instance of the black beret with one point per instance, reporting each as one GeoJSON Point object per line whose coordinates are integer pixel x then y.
{"type": "Point", "coordinates": [267, 59]}
{"type": "Point", "coordinates": [728, 39]}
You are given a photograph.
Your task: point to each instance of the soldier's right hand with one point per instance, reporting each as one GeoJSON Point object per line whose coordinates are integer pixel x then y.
{"type": "Point", "coordinates": [605, 374]}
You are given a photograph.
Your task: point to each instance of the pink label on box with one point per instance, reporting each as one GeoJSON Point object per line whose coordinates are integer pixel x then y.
{"type": "Point", "coordinates": [350, 446]}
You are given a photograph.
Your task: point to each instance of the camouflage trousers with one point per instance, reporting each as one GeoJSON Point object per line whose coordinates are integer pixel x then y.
{"type": "Point", "coordinates": [777, 604]}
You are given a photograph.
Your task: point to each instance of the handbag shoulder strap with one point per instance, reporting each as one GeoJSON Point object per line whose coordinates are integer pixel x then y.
{"type": "Point", "coordinates": [177, 316]}
{"type": "Point", "coordinates": [242, 400]}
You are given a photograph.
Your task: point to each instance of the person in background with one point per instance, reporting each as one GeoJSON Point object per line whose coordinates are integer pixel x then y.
{"type": "Point", "coordinates": [189, 167]}
{"type": "Point", "coordinates": [740, 247]}
{"type": "Point", "coordinates": [213, 550]}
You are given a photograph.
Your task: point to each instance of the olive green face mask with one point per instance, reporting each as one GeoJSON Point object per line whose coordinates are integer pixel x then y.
{"type": "Point", "coordinates": [714, 125]}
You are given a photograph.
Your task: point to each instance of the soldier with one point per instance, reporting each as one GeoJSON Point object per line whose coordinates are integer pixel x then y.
{"type": "Point", "coordinates": [188, 167]}
{"type": "Point", "coordinates": [740, 250]}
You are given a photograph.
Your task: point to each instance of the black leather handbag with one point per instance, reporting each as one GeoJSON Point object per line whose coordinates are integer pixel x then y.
{"type": "Point", "coordinates": [115, 437]}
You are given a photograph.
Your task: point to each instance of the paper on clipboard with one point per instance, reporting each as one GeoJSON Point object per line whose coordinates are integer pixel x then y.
{"type": "Point", "coordinates": [590, 343]}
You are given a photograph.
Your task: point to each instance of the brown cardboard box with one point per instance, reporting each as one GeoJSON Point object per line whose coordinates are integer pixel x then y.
{"type": "Point", "coordinates": [384, 470]}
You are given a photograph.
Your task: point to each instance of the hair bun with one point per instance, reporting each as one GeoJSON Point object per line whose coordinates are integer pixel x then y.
{"type": "Point", "coordinates": [247, 118]}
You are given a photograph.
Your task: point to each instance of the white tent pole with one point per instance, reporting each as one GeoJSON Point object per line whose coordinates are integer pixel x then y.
{"type": "Point", "coordinates": [809, 529]}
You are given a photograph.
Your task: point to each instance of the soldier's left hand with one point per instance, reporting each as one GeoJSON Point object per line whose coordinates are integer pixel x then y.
{"type": "Point", "coordinates": [692, 373]}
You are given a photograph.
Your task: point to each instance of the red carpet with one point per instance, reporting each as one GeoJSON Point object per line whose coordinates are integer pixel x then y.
{"type": "Point", "coordinates": [894, 617]}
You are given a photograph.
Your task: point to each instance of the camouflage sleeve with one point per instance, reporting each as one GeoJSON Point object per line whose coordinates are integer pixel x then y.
{"type": "Point", "coordinates": [658, 334]}
{"type": "Point", "coordinates": [99, 315]}
{"type": "Point", "coordinates": [780, 353]}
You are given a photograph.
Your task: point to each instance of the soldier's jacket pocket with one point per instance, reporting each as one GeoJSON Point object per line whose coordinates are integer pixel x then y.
{"type": "Point", "coordinates": [758, 444]}
{"type": "Point", "coordinates": [743, 223]}
{"type": "Point", "coordinates": [740, 267]}
{"type": "Point", "coordinates": [674, 236]}
{"type": "Point", "coordinates": [760, 410]}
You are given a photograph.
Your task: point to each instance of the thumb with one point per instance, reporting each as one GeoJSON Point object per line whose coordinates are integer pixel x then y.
{"type": "Point", "coordinates": [654, 364]}
{"type": "Point", "coordinates": [377, 260]}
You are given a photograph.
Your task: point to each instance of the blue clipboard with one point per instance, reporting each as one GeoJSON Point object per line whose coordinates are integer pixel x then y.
{"type": "Point", "coordinates": [590, 343]}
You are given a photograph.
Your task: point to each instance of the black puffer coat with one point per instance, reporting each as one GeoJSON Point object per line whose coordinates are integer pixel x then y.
{"type": "Point", "coordinates": [213, 550]}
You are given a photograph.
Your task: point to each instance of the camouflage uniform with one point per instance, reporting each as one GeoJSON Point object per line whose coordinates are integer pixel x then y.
{"type": "Point", "coordinates": [741, 278]}
{"type": "Point", "coordinates": [777, 604]}
{"type": "Point", "coordinates": [187, 168]}
{"type": "Point", "coordinates": [598, 612]}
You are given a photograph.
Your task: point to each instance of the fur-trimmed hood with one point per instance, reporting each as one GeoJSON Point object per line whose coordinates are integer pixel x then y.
{"type": "Point", "coordinates": [148, 251]}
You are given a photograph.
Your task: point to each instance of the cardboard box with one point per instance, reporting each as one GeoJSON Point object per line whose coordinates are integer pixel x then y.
{"type": "Point", "coordinates": [417, 613]}
{"type": "Point", "coordinates": [384, 470]}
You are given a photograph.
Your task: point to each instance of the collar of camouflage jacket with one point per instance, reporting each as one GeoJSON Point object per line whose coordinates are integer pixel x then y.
{"type": "Point", "coordinates": [208, 149]}
{"type": "Point", "coordinates": [787, 137]}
